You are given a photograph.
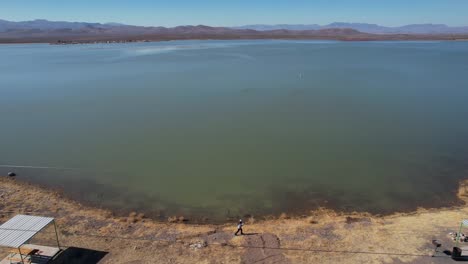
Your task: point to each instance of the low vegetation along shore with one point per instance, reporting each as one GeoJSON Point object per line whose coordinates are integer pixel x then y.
{"type": "Point", "coordinates": [122, 34]}
{"type": "Point", "coordinates": [324, 236]}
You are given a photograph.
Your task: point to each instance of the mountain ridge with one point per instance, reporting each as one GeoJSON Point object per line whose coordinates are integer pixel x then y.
{"type": "Point", "coordinates": [367, 28]}
{"type": "Point", "coordinates": [62, 32]}
{"type": "Point", "coordinates": [428, 28]}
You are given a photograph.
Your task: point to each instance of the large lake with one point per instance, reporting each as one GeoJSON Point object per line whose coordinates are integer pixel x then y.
{"type": "Point", "coordinates": [227, 128]}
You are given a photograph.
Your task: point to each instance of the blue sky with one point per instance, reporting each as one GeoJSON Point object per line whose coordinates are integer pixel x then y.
{"type": "Point", "coordinates": [240, 12]}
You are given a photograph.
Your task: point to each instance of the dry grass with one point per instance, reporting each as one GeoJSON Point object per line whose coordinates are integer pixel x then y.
{"type": "Point", "coordinates": [324, 236]}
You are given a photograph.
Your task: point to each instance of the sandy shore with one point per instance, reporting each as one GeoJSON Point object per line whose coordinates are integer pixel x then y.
{"type": "Point", "coordinates": [324, 236]}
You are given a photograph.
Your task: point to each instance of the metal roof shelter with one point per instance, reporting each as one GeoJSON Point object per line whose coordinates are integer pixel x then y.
{"type": "Point", "coordinates": [20, 229]}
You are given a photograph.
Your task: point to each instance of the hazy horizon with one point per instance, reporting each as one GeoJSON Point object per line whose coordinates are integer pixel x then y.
{"type": "Point", "coordinates": [239, 13]}
{"type": "Point", "coordinates": [239, 25]}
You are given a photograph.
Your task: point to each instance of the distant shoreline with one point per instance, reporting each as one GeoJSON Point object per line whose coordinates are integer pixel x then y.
{"type": "Point", "coordinates": [337, 35]}
{"type": "Point", "coordinates": [66, 43]}
{"type": "Point", "coordinates": [58, 43]}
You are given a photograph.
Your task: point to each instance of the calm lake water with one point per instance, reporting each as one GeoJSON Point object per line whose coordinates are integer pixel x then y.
{"type": "Point", "coordinates": [227, 128]}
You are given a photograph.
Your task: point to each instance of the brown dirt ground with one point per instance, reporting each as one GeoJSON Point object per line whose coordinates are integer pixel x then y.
{"type": "Point", "coordinates": [97, 236]}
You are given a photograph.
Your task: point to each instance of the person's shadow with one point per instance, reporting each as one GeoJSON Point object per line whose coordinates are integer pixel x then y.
{"type": "Point", "coordinates": [250, 234]}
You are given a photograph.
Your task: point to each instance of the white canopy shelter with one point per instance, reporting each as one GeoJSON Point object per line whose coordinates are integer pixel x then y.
{"type": "Point", "coordinates": [20, 229]}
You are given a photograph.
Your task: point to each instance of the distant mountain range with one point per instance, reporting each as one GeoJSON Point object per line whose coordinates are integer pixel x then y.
{"type": "Point", "coordinates": [41, 24]}
{"type": "Point", "coordinates": [368, 28]}
{"type": "Point", "coordinates": [39, 31]}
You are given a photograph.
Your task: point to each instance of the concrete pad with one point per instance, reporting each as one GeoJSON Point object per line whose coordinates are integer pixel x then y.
{"type": "Point", "coordinates": [43, 255]}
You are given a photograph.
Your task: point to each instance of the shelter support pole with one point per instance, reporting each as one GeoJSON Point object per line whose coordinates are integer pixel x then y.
{"type": "Point", "coordinates": [21, 255]}
{"type": "Point", "coordinates": [56, 234]}
{"type": "Point", "coordinates": [458, 234]}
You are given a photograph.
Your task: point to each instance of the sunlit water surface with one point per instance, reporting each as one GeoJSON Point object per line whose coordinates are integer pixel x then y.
{"type": "Point", "coordinates": [226, 128]}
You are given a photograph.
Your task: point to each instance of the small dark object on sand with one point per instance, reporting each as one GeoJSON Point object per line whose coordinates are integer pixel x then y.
{"type": "Point", "coordinates": [11, 174]}
{"type": "Point", "coordinates": [456, 252]}
{"type": "Point", "coordinates": [437, 245]}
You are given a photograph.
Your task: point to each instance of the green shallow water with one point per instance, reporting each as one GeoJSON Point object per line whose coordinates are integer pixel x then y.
{"type": "Point", "coordinates": [228, 128]}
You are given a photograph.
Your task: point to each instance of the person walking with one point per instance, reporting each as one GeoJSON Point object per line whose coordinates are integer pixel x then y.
{"type": "Point", "coordinates": [239, 228]}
